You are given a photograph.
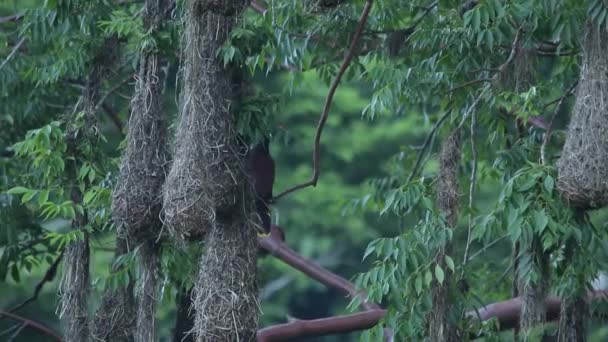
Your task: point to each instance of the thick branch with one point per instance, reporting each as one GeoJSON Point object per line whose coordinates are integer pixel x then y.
{"type": "Point", "coordinates": [320, 327]}
{"type": "Point", "coordinates": [345, 63]}
{"type": "Point", "coordinates": [339, 324]}
{"type": "Point", "coordinates": [508, 312]}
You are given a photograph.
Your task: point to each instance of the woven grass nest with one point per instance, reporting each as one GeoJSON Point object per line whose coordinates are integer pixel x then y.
{"type": "Point", "coordinates": [583, 165]}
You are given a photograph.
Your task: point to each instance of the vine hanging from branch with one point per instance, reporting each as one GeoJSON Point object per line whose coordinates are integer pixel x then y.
{"type": "Point", "coordinates": [316, 155]}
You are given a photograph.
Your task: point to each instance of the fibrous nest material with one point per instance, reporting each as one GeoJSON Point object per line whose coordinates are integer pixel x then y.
{"type": "Point", "coordinates": [447, 181]}
{"type": "Point", "coordinates": [573, 316]}
{"type": "Point", "coordinates": [137, 199]}
{"type": "Point", "coordinates": [147, 292]}
{"type": "Point", "coordinates": [533, 294]}
{"type": "Point", "coordinates": [583, 165]}
{"type": "Point", "coordinates": [440, 327]}
{"type": "Point", "coordinates": [74, 291]}
{"type": "Point", "coordinates": [226, 291]}
{"type": "Point", "coordinates": [114, 320]}
{"type": "Point", "coordinates": [207, 168]}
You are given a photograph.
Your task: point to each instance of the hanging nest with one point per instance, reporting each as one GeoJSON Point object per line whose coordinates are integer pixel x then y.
{"type": "Point", "coordinates": [440, 327]}
{"type": "Point", "coordinates": [137, 200]}
{"type": "Point", "coordinates": [115, 318]}
{"type": "Point", "coordinates": [74, 291]}
{"type": "Point", "coordinates": [583, 166]}
{"type": "Point", "coordinates": [447, 181]}
{"type": "Point", "coordinates": [147, 291]}
{"type": "Point", "coordinates": [207, 167]}
{"type": "Point", "coordinates": [226, 292]}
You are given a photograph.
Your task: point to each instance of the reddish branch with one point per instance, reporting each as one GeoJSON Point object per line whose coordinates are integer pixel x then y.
{"type": "Point", "coordinates": [339, 324]}
{"type": "Point", "coordinates": [35, 325]}
{"type": "Point", "coordinates": [332, 90]}
{"type": "Point", "coordinates": [507, 312]}
{"type": "Point", "coordinates": [323, 326]}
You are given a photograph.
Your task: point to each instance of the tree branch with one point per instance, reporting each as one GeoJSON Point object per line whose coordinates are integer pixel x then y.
{"type": "Point", "coordinates": [427, 142]}
{"type": "Point", "coordinates": [11, 18]}
{"type": "Point", "coordinates": [37, 326]}
{"type": "Point", "coordinates": [49, 275]}
{"type": "Point", "coordinates": [319, 327]}
{"type": "Point", "coordinates": [549, 130]}
{"type": "Point", "coordinates": [13, 52]}
{"type": "Point", "coordinates": [507, 312]}
{"type": "Point", "coordinates": [273, 244]}
{"type": "Point", "coordinates": [113, 115]}
{"type": "Point", "coordinates": [345, 63]}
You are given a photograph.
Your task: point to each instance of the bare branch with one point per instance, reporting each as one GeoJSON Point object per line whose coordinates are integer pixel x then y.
{"type": "Point", "coordinates": [258, 7]}
{"type": "Point", "coordinates": [113, 115]}
{"type": "Point", "coordinates": [340, 324]}
{"type": "Point", "coordinates": [112, 91]}
{"type": "Point", "coordinates": [507, 312]}
{"type": "Point", "coordinates": [547, 137]}
{"type": "Point", "coordinates": [347, 59]}
{"type": "Point", "coordinates": [35, 325]}
{"type": "Point", "coordinates": [49, 275]}
{"type": "Point", "coordinates": [466, 84]}
{"type": "Point", "coordinates": [13, 52]}
{"type": "Point", "coordinates": [427, 143]}
{"type": "Point", "coordinates": [11, 18]}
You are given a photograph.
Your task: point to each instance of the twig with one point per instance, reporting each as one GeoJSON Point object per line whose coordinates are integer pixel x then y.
{"type": "Point", "coordinates": [13, 52]}
{"type": "Point", "coordinates": [113, 115]}
{"type": "Point", "coordinates": [258, 7]}
{"type": "Point", "coordinates": [11, 18]}
{"type": "Point", "coordinates": [17, 332]}
{"type": "Point", "coordinates": [37, 326]}
{"type": "Point", "coordinates": [486, 247]}
{"type": "Point", "coordinates": [547, 137]}
{"type": "Point", "coordinates": [111, 91]}
{"type": "Point", "coordinates": [328, 101]}
{"type": "Point", "coordinates": [472, 182]}
{"type": "Point", "coordinates": [410, 29]}
{"type": "Point", "coordinates": [427, 142]}
{"type": "Point", "coordinates": [48, 277]}
{"type": "Point", "coordinates": [466, 84]}
{"type": "Point", "coordinates": [501, 70]}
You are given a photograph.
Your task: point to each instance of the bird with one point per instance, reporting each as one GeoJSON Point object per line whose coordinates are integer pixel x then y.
{"type": "Point", "coordinates": [261, 166]}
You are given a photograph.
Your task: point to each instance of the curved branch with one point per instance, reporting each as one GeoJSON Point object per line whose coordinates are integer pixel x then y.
{"type": "Point", "coordinates": [37, 326]}
{"type": "Point", "coordinates": [320, 327]}
{"type": "Point", "coordinates": [49, 275]}
{"type": "Point", "coordinates": [339, 324]}
{"type": "Point", "coordinates": [345, 63]}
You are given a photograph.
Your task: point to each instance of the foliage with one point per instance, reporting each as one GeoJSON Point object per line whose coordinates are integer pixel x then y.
{"type": "Point", "coordinates": [453, 67]}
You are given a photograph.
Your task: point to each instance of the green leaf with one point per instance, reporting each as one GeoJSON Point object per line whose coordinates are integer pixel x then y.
{"type": "Point", "coordinates": [439, 274]}
{"type": "Point", "coordinates": [449, 262]}
{"type": "Point", "coordinates": [43, 197]}
{"type": "Point", "coordinates": [28, 196]}
{"type": "Point", "coordinates": [418, 285]}
{"type": "Point", "coordinates": [18, 190]}
{"type": "Point", "coordinates": [540, 220]}
{"type": "Point", "coordinates": [549, 184]}
{"type": "Point", "coordinates": [428, 277]}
